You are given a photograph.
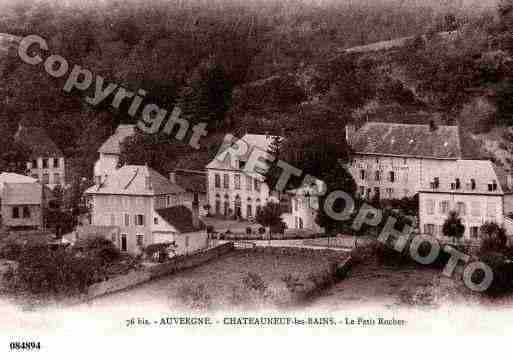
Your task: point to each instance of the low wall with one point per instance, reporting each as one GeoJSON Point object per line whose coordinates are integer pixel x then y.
{"type": "Point", "coordinates": [140, 276]}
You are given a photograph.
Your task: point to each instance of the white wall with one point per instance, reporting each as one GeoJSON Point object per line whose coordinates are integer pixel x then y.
{"type": "Point", "coordinates": [409, 173]}
{"type": "Point", "coordinates": [106, 164]}
{"type": "Point", "coordinates": [244, 193]}
{"type": "Point", "coordinates": [486, 208]}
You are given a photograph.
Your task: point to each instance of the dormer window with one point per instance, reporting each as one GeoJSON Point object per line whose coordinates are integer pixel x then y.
{"type": "Point", "coordinates": [492, 187]}
{"type": "Point", "coordinates": [436, 183]}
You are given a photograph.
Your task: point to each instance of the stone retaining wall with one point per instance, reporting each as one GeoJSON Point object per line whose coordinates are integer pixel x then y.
{"type": "Point", "coordinates": [144, 275]}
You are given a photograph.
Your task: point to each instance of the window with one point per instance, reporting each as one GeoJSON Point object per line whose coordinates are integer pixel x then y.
{"type": "Point", "coordinates": [472, 184]}
{"type": "Point", "coordinates": [249, 211]}
{"type": "Point", "coordinates": [34, 163]}
{"type": "Point", "coordinates": [217, 180]}
{"type": "Point", "coordinates": [249, 183]}
{"type": "Point", "coordinates": [457, 183]}
{"type": "Point", "coordinates": [218, 206]}
{"type": "Point", "coordinates": [429, 229]}
{"type": "Point", "coordinates": [390, 192]}
{"type": "Point", "coordinates": [257, 185]}
{"type": "Point", "coordinates": [461, 208]}
{"type": "Point", "coordinates": [391, 176]}
{"type": "Point", "coordinates": [45, 162]}
{"type": "Point", "coordinates": [139, 220]}
{"type": "Point", "coordinates": [139, 238]}
{"type": "Point", "coordinates": [475, 209]}
{"type": "Point", "coordinates": [226, 180]}
{"type": "Point", "coordinates": [112, 219]}
{"type": "Point", "coordinates": [474, 232]}
{"type": "Point", "coordinates": [237, 181]}
{"type": "Point", "coordinates": [362, 174]}
{"type": "Point", "coordinates": [492, 187]}
{"type": "Point", "coordinates": [377, 193]}
{"type": "Point", "coordinates": [436, 183]}
{"type": "Point", "coordinates": [113, 237]}
{"type": "Point", "coordinates": [361, 191]}
{"type": "Point", "coordinates": [377, 176]}
{"type": "Point", "coordinates": [242, 164]}
{"type": "Point", "coordinates": [127, 220]}
{"type": "Point", "coordinates": [444, 207]}
{"type": "Point", "coordinates": [124, 243]}
{"type": "Point", "coordinates": [46, 178]}
{"type": "Point", "coordinates": [430, 206]}
{"type": "Point", "coordinates": [55, 163]}
{"type": "Point", "coordinates": [26, 212]}
{"type": "Point", "coordinates": [15, 212]}
{"type": "Point", "coordinates": [155, 220]}
{"type": "Point", "coordinates": [56, 178]}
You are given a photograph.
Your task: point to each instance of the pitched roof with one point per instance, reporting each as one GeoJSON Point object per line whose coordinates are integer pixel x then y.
{"type": "Point", "coordinates": [483, 172]}
{"type": "Point", "coordinates": [180, 217]}
{"type": "Point", "coordinates": [22, 193]}
{"type": "Point", "coordinates": [112, 144]}
{"type": "Point", "coordinates": [10, 177]}
{"type": "Point", "coordinates": [414, 140]}
{"type": "Point", "coordinates": [262, 142]}
{"type": "Point", "coordinates": [38, 141]}
{"type": "Point", "coordinates": [192, 181]}
{"type": "Point", "coordinates": [136, 180]}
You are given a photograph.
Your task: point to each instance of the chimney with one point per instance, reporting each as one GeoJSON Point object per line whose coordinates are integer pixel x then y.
{"type": "Point", "coordinates": [195, 213]}
{"type": "Point", "coordinates": [172, 177]}
{"type": "Point", "coordinates": [350, 132]}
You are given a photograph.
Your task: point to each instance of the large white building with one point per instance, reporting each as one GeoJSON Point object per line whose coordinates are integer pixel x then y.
{"type": "Point", "coordinates": [477, 190]}
{"type": "Point", "coordinates": [390, 160]}
{"type": "Point", "coordinates": [140, 207]}
{"type": "Point", "coordinates": [110, 151]}
{"type": "Point", "coordinates": [232, 191]}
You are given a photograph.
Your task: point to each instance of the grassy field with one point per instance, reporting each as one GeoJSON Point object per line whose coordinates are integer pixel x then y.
{"type": "Point", "coordinates": [224, 284]}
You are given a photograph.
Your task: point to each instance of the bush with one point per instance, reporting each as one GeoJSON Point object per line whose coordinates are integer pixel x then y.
{"type": "Point", "coordinates": [502, 273]}
{"type": "Point", "coordinates": [493, 238]}
{"type": "Point", "coordinates": [44, 271]}
{"type": "Point", "coordinates": [99, 249]}
{"type": "Point", "coordinates": [11, 250]}
{"type": "Point", "coordinates": [254, 281]}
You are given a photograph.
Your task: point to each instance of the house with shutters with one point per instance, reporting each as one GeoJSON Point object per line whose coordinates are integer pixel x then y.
{"type": "Point", "coordinates": [477, 190]}
{"type": "Point", "coordinates": [46, 161]}
{"type": "Point", "coordinates": [233, 190]}
{"type": "Point", "coordinates": [110, 151]}
{"type": "Point", "coordinates": [146, 208]}
{"type": "Point", "coordinates": [392, 160]}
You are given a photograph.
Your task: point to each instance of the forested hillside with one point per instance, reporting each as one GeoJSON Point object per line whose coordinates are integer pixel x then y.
{"type": "Point", "coordinates": [261, 66]}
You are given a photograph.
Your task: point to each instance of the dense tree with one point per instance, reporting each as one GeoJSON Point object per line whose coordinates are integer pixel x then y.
{"type": "Point", "coordinates": [493, 238]}
{"type": "Point", "coordinates": [453, 226]}
{"type": "Point", "coordinates": [270, 216]}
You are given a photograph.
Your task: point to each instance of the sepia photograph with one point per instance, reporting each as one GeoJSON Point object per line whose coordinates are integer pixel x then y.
{"type": "Point", "coordinates": [256, 177]}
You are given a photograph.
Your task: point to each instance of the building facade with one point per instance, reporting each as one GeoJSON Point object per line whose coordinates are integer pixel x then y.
{"type": "Point", "coordinates": [23, 205]}
{"type": "Point", "coordinates": [305, 203]}
{"type": "Point", "coordinates": [391, 160]}
{"type": "Point", "coordinates": [234, 192]}
{"type": "Point", "coordinates": [476, 189]}
{"type": "Point", "coordinates": [46, 161]}
{"type": "Point", "coordinates": [132, 199]}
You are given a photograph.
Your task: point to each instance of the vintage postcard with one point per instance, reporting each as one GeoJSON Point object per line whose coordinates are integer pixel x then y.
{"type": "Point", "coordinates": [255, 177]}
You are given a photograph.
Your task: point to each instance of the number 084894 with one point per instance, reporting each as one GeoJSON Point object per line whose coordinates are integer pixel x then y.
{"type": "Point", "coordinates": [25, 345]}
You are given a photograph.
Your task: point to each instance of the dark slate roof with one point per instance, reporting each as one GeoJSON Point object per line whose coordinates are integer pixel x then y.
{"type": "Point", "coordinates": [191, 181]}
{"type": "Point", "coordinates": [38, 141]}
{"type": "Point", "coordinates": [180, 217]}
{"type": "Point", "coordinates": [413, 140]}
